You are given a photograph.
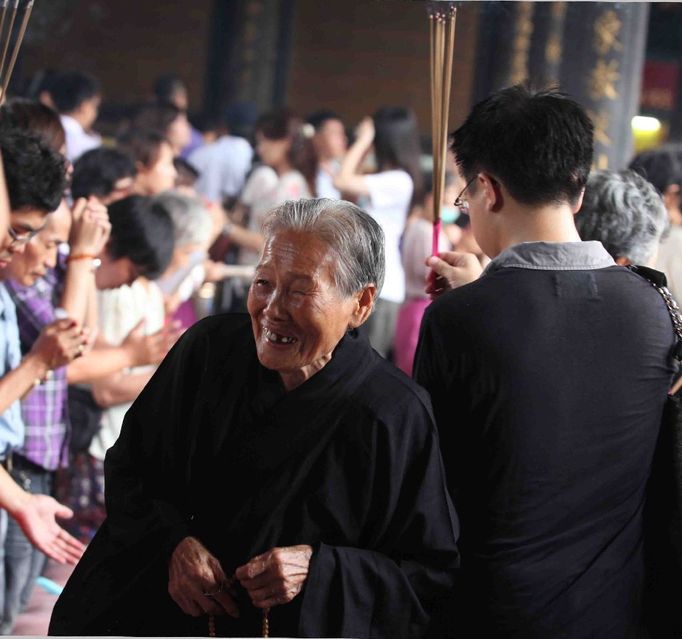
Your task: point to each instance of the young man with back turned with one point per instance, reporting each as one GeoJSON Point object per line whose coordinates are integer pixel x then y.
{"type": "Point", "coordinates": [548, 377]}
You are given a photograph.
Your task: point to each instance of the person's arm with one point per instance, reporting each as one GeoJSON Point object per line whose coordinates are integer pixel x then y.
{"type": "Point", "coordinates": [119, 388]}
{"type": "Point", "coordinates": [349, 179]}
{"type": "Point", "coordinates": [243, 237]}
{"type": "Point", "coordinates": [37, 514]}
{"type": "Point", "coordinates": [90, 229]}
{"type": "Point", "coordinates": [57, 345]}
{"type": "Point", "coordinates": [137, 349]}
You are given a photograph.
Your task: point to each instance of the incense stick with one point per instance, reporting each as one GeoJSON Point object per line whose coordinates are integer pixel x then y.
{"type": "Point", "coordinates": [442, 17]}
{"type": "Point", "coordinates": [17, 46]}
{"type": "Point", "coordinates": [5, 4]}
{"type": "Point", "coordinates": [5, 48]}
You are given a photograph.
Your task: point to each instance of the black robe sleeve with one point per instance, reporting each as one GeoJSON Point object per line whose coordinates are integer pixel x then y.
{"type": "Point", "coordinates": [392, 589]}
{"type": "Point", "coordinates": [145, 475]}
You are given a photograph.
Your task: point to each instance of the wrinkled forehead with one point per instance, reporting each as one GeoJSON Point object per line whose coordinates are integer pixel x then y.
{"type": "Point", "coordinates": [299, 252]}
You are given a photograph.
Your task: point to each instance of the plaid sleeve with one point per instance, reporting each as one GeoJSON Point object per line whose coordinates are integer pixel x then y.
{"type": "Point", "coordinates": [34, 307]}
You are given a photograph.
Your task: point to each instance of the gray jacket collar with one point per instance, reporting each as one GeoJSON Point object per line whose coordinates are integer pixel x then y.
{"type": "Point", "coordinates": [553, 256]}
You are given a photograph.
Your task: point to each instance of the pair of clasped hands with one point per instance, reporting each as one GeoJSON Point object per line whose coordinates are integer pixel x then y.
{"type": "Point", "coordinates": [63, 340]}
{"type": "Point", "coordinates": [198, 584]}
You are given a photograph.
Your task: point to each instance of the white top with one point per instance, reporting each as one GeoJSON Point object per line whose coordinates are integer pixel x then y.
{"type": "Point", "coordinates": [120, 310]}
{"type": "Point", "coordinates": [222, 167]}
{"type": "Point", "coordinates": [670, 261]}
{"type": "Point", "coordinates": [416, 247]}
{"type": "Point", "coordinates": [264, 190]}
{"type": "Point", "coordinates": [78, 140]}
{"type": "Point", "coordinates": [324, 182]}
{"type": "Point", "coordinates": [390, 193]}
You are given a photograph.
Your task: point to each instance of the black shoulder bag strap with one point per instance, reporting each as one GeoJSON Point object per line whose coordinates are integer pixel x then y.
{"type": "Point", "coordinates": [662, 615]}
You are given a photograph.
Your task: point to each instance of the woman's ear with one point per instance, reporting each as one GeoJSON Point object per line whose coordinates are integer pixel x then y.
{"type": "Point", "coordinates": [364, 303]}
{"type": "Point", "coordinates": [671, 196]}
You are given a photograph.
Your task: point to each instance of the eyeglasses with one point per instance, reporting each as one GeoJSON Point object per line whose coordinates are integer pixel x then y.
{"type": "Point", "coordinates": [21, 238]}
{"type": "Point", "coordinates": [460, 202]}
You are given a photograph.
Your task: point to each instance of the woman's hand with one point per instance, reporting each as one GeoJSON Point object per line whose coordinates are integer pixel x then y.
{"type": "Point", "coordinates": [275, 577]}
{"type": "Point", "coordinates": [197, 582]}
{"type": "Point", "coordinates": [364, 133]}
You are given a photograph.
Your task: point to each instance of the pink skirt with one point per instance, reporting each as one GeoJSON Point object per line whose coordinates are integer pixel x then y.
{"type": "Point", "coordinates": [407, 333]}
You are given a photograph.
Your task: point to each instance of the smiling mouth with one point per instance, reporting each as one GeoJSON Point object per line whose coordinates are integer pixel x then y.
{"type": "Point", "coordinates": [276, 338]}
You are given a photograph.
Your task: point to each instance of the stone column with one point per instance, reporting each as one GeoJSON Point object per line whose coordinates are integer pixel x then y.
{"type": "Point", "coordinates": [250, 52]}
{"type": "Point", "coordinates": [593, 51]}
{"type": "Point", "coordinates": [603, 58]}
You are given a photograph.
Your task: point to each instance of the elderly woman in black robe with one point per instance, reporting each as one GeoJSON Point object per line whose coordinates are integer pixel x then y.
{"type": "Point", "coordinates": [276, 462]}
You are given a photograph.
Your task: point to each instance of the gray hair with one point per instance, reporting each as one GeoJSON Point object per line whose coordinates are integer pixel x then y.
{"type": "Point", "coordinates": [191, 222]}
{"type": "Point", "coordinates": [625, 212]}
{"type": "Point", "coordinates": [354, 236]}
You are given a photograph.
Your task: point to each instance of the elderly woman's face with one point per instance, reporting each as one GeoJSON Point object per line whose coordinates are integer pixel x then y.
{"type": "Point", "coordinates": [298, 315]}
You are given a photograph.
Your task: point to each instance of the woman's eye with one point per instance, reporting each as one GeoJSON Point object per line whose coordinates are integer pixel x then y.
{"type": "Point", "coordinates": [260, 282]}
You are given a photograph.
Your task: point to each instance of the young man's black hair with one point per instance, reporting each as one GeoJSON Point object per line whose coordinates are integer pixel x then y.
{"type": "Point", "coordinates": [142, 231]}
{"type": "Point", "coordinates": [35, 174]}
{"type": "Point", "coordinates": [97, 172]}
{"type": "Point", "coordinates": [538, 144]}
{"type": "Point", "coordinates": [70, 89]}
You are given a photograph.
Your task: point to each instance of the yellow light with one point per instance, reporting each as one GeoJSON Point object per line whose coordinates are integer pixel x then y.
{"type": "Point", "coordinates": [647, 132]}
{"type": "Point", "coordinates": [646, 124]}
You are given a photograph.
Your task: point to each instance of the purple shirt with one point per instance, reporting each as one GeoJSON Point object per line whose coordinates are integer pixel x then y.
{"type": "Point", "coordinates": [45, 408]}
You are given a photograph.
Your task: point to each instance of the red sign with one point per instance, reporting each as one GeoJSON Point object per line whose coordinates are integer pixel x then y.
{"type": "Point", "coordinates": [660, 85]}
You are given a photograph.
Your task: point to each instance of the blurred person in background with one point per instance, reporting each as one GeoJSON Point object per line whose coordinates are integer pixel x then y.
{"type": "Point", "coordinates": [168, 120]}
{"type": "Point", "coordinates": [170, 89]}
{"type": "Point", "coordinates": [139, 250]}
{"type": "Point", "coordinates": [663, 168]}
{"type": "Point", "coordinates": [41, 280]}
{"type": "Point", "coordinates": [106, 174]}
{"type": "Point", "coordinates": [331, 143]}
{"type": "Point", "coordinates": [626, 214]}
{"type": "Point", "coordinates": [152, 154]}
{"type": "Point", "coordinates": [287, 173]}
{"type": "Point", "coordinates": [77, 96]}
{"type": "Point", "coordinates": [193, 227]}
{"type": "Point", "coordinates": [415, 246]}
{"type": "Point", "coordinates": [389, 193]}
{"type": "Point", "coordinates": [36, 178]}
{"type": "Point", "coordinates": [222, 165]}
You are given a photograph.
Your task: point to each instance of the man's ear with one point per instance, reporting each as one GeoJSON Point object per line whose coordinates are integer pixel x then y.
{"type": "Point", "coordinates": [364, 303]}
{"type": "Point", "coordinates": [492, 192]}
{"type": "Point", "coordinates": [579, 202]}
{"type": "Point", "coordinates": [623, 261]}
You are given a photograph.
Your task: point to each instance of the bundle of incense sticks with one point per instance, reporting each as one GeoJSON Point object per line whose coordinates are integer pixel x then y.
{"type": "Point", "coordinates": [442, 17]}
{"type": "Point", "coordinates": [9, 9]}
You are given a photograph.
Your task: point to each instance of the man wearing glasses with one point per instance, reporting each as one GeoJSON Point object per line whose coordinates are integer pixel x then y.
{"type": "Point", "coordinates": [548, 376]}
{"type": "Point", "coordinates": [35, 181]}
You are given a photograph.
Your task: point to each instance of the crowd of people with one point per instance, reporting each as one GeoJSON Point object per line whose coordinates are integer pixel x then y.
{"type": "Point", "coordinates": [275, 458]}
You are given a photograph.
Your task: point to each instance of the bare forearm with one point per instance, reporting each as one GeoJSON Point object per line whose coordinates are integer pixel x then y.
{"type": "Point", "coordinates": [247, 239]}
{"type": "Point", "coordinates": [120, 388]}
{"type": "Point", "coordinates": [98, 363]}
{"type": "Point", "coordinates": [78, 284]}
{"type": "Point", "coordinates": [12, 496]}
{"type": "Point", "coordinates": [20, 380]}
{"type": "Point", "coordinates": [348, 179]}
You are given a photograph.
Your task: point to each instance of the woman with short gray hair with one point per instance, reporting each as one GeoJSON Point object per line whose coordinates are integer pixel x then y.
{"type": "Point", "coordinates": [276, 470]}
{"type": "Point", "coordinates": [626, 214]}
